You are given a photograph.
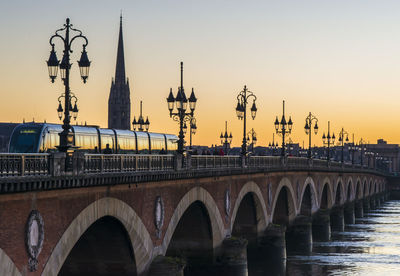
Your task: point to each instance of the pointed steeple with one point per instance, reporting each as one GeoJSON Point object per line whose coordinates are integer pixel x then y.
{"type": "Point", "coordinates": [120, 67]}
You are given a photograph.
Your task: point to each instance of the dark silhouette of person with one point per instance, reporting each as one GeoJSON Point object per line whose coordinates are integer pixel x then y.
{"type": "Point", "coordinates": [107, 150]}
{"type": "Point", "coordinates": [162, 151]}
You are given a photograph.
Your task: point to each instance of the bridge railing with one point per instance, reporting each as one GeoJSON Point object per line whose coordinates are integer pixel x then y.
{"type": "Point", "coordinates": [211, 161]}
{"type": "Point", "coordinates": [106, 163]}
{"type": "Point", "coordinates": [24, 164]}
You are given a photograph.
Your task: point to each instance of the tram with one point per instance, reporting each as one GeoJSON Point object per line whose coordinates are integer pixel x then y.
{"type": "Point", "coordinates": [43, 137]}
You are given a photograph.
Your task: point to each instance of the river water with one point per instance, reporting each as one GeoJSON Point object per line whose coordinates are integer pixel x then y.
{"type": "Point", "coordinates": [371, 246]}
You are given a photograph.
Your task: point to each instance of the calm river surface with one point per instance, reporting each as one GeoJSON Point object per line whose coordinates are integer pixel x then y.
{"type": "Point", "coordinates": [369, 247]}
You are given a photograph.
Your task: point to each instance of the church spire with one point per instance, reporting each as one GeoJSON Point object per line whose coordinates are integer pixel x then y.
{"type": "Point", "coordinates": [120, 68]}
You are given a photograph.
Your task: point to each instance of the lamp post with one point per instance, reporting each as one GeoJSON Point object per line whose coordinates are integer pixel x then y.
{"type": "Point", "coordinates": [226, 139]}
{"type": "Point", "coordinates": [274, 145]}
{"type": "Point", "coordinates": [362, 148]}
{"type": "Point", "coordinates": [308, 129]}
{"type": "Point", "coordinates": [328, 140]}
{"type": "Point", "coordinates": [253, 139]}
{"type": "Point", "coordinates": [141, 124]}
{"type": "Point", "coordinates": [282, 128]}
{"type": "Point", "coordinates": [66, 137]}
{"type": "Point", "coordinates": [181, 116]}
{"type": "Point", "coordinates": [241, 113]}
{"type": "Point", "coordinates": [352, 149]}
{"type": "Point", "coordinates": [341, 139]}
{"type": "Point", "coordinates": [193, 129]}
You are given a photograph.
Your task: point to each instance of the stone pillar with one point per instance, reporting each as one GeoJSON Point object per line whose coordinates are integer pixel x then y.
{"type": "Point", "coordinates": [233, 257]}
{"type": "Point", "coordinates": [359, 209]}
{"type": "Point", "coordinates": [321, 226]}
{"type": "Point", "coordinates": [167, 266]}
{"type": "Point", "coordinates": [349, 216]}
{"type": "Point", "coordinates": [299, 235]}
{"type": "Point", "coordinates": [178, 162]}
{"type": "Point", "coordinates": [337, 219]}
{"type": "Point", "coordinates": [366, 204]}
{"type": "Point", "coordinates": [273, 242]}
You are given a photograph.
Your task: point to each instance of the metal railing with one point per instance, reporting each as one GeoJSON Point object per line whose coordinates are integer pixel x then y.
{"type": "Point", "coordinates": [19, 164]}
{"type": "Point", "coordinates": [104, 163]}
{"type": "Point", "coordinates": [12, 165]}
{"type": "Point", "coordinates": [211, 161]}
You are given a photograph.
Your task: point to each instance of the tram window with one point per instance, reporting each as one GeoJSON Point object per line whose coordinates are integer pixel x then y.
{"type": "Point", "coordinates": [172, 145]}
{"type": "Point", "coordinates": [157, 144]}
{"type": "Point", "coordinates": [143, 144]}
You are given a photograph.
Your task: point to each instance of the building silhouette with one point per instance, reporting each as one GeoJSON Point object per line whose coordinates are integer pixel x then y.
{"type": "Point", "coordinates": [119, 101]}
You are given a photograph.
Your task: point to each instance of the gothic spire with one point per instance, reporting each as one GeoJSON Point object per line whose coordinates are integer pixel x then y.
{"type": "Point", "coordinates": [120, 68]}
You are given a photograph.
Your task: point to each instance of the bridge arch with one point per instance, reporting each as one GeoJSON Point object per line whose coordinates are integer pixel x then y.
{"type": "Point", "coordinates": [370, 185]}
{"type": "Point", "coordinates": [285, 201]}
{"type": "Point", "coordinates": [308, 198]}
{"type": "Point", "coordinates": [358, 193]}
{"type": "Point", "coordinates": [365, 187]}
{"type": "Point", "coordinates": [326, 194]}
{"type": "Point", "coordinates": [7, 266]}
{"type": "Point", "coordinates": [201, 195]}
{"type": "Point", "coordinates": [261, 208]}
{"type": "Point", "coordinates": [349, 191]}
{"type": "Point", "coordinates": [339, 187]}
{"type": "Point", "coordinates": [141, 242]}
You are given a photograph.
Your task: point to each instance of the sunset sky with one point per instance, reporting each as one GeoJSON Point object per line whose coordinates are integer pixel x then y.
{"type": "Point", "coordinates": [338, 59]}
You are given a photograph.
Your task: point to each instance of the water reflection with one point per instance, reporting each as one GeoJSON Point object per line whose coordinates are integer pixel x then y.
{"type": "Point", "coordinates": [369, 247]}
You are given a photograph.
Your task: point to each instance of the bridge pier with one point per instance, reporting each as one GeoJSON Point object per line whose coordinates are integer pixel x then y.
{"type": "Point", "coordinates": [337, 219]}
{"type": "Point", "coordinates": [167, 266]}
{"type": "Point", "coordinates": [233, 260]}
{"type": "Point", "coordinates": [373, 202]}
{"type": "Point", "coordinates": [321, 226]}
{"type": "Point", "coordinates": [359, 209]}
{"type": "Point", "coordinates": [349, 216]}
{"type": "Point", "coordinates": [299, 235]}
{"type": "Point", "coordinates": [366, 204]}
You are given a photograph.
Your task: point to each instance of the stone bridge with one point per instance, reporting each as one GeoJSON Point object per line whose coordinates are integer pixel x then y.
{"type": "Point", "coordinates": [135, 222]}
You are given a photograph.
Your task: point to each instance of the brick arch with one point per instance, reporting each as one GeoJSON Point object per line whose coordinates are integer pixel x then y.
{"type": "Point", "coordinates": [350, 183]}
{"type": "Point", "coordinates": [314, 201]}
{"type": "Point", "coordinates": [7, 266]}
{"type": "Point", "coordinates": [326, 182]}
{"type": "Point", "coordinates": [340, 182]}
{"type": "Point", "coordinates": [360, 189]}
{"type": "Point", "coordinates": [365, 186]}
{"type": "Point", "coordinates": [370, 185]}
{"type": "Point", "coordinates": [141, 242]}
{"type": "Point", "coordinates": [261, 208]}
{"type": "Point", "coordinates": [195, 194]}
{"type": "Point", "coordinates": [285, 182]}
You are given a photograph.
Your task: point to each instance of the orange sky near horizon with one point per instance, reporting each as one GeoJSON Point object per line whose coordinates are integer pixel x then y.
{"type": "Point", "coordinates": [341, 61]}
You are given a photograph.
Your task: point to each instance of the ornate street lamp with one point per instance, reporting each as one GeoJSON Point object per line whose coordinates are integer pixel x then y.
{"type": "Point", "coordinates": [328, 140]}
{"type": "Point", "coordinates": [241, 112]}
{"type": "Point", "coordinates": [308, 129]}
{"type": "Point", "coordinates": [352, 149]}
{"type": "Point", "coordinates": [283, 128]}
{"type": "Point", "coordinates": [226, 139]}
{"type": "Point", "coordinates": [193, 129]}
{"type": "Point", "coordinates": [252, 138]}
{"type": "Point", "coordinates": [362, 149]}
{"type": "Point", "coordinates": [141, 124]}
{"type": "Point", "coordinates": [274, 145]}
{"type": "Point", "coordinates": [341, 139]}
{"type": "Point", "coordinates": [181, 116]}
{"type": "Point", "coordinates": [66, 136]}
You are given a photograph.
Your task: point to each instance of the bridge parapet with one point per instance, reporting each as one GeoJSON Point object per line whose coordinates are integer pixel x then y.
{"type": "Point", "coordinates": [26, 172]}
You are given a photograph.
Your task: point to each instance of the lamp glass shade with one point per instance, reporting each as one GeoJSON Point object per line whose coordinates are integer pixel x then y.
{"type": "Point", "coordinates": [170, 101]}
{"type": "Point", "coordinates": [316, 128]}
{"type": "Point", "coordinates": [179, 99]}
{"type": "Point", "coordinates": [75, 111]}
{"type": "Point", "coordinates": [290, 123]}
{"type": "Point", "coordinates": [64, 65]}
{"type": "Point", "coordinates": [60, 110]}
{"type": "Point", "coordinates": [184, 100]}
{"type": "Point", "coordinates": [84, 65]}
{"type": "Point", "coordinates": [253, 110]}
{"type": "Point", "coordinates": [52, 65]}
{"type": "Point", "coordinates": [276, 124]}
{"type": "Point", "coordinates": [192, 101]}
{"type": "Point", "coordinates": [238, 110]}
